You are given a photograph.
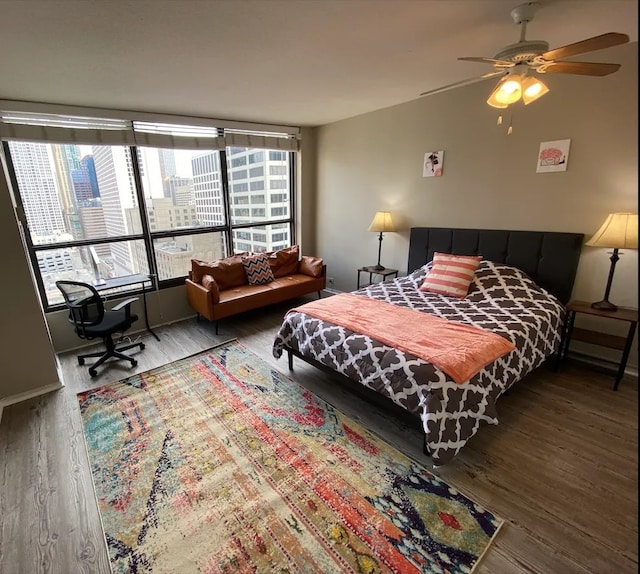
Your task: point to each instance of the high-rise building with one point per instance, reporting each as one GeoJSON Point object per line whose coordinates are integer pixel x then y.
{"type": "Point", "coordinates": [33, 165]}
{"type": "Point", "coordinates": [114, 172]}
{"type": "Point", "coordinates": [88, 164]}
{"type": "Point", "coordinates": [259, 191]}
{"type": "Point", "coordinates": [207, 188]}
{"type": "Point", "coordinates": [81, 186]}
{"type": "Point", "coordinates": [179, 189]}
{"type": "Point", "coordinates": [167, 160]}
{"type": "Point", "coordinates": [173, 255]}
{"type": "Point", "coordinates": [65, 159]}
{"type": "Point", "coordinates": [94, 226]}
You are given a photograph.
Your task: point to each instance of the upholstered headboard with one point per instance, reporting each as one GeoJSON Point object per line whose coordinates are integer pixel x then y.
{"type": "Point", "coordinates": [549, 258]}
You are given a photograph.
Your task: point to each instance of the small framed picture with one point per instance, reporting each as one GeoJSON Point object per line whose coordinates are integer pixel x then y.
{"type": "Point", "coordinates": [432, 166]}
{"type": "Point", "coordinates": [553, 156]}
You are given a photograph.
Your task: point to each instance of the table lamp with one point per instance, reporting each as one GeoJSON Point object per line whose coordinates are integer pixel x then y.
{"type": "Point", "coordinates": [381, 222]}
{"type": "Point", "coordinates": [619, 231]}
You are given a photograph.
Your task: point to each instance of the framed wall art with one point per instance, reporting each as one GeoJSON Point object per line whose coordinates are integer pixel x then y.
{"type": "Point", "coordinates": [432, 166]}
{"type": "Point", "coordinates": [553, 156]}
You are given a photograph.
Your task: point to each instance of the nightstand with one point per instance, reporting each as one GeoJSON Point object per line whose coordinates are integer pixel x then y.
{"type": "Point", "coordinates": [384, 273]}
{"type": "Point", "coordinates": [571, 333]}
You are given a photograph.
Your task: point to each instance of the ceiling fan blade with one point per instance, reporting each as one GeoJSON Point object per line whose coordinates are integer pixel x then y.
{"type": "Point", "coordinates": [501, 63]}
{"type": "Point", "coordinates": [466, 82]}
{"type": "Point", "coordinates": [589, 45]}
{"type": "Point", "coordinates": [582, 68]}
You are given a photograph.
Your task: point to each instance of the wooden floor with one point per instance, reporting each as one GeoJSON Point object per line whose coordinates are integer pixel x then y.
{"type": "Point", "coordinates": [560, 468]}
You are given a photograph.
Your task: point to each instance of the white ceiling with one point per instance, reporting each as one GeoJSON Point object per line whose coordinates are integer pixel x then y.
{"type": "Point", "coordinates": [298, 62]}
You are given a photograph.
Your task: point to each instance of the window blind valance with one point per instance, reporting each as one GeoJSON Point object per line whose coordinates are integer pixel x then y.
{"type": "Point", "coordinates": [152, 134]}
{"type": "Point", "coordinates": [177, 132]}
{"type": "Point", "coordinates": [54, 128]}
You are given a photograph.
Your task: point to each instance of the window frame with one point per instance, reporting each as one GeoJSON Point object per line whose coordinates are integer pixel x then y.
{"type": "Point", "coordinates": [148, 236]}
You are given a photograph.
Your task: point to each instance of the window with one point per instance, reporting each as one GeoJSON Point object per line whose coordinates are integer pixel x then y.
{"type": "Point", "coordinates": [260, 203]}
{"type": "Point", "coordinates": [277, 170]}
{"type": "Point", "coordinates": [94, 208]}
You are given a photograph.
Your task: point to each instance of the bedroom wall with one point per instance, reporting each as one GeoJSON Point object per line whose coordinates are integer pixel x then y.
{"type": "Point", "coordinates": [24, 330]}
{"type": "Point", "coordinates": [374, 162]}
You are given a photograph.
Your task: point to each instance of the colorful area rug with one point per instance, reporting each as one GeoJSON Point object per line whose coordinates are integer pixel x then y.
{"type": "Point", "coordinates": [219, 463]}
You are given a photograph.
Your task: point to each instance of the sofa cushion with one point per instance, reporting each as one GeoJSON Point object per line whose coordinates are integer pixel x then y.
{"type": "Point", "coordinates": [228, 272]}
{"type": "Point", "coordinates": [209, 283]}
{"type": "Point", "coordinates": [311, 266]}
{"type": "Point", "coordinates": [257, 268]}
{"type": "Point", "coordinates": [284, 261]}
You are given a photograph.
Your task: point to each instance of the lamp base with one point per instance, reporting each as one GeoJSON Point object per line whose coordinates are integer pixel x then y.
{"type": "Point", "coordinates": [604, 306]}
{"type": "Point", "coordinates": [377, 267]}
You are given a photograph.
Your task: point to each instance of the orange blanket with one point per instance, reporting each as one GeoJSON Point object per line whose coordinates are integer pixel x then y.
{"type": "Point", "coordinates": [459, 350]}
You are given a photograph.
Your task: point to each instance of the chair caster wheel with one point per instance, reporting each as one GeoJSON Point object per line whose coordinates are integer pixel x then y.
{"type": "Point", "coordinates": [134, 363]}
{"type": "Point", "coordinates": [92, 373]}
{"type": "Point", "coordinates": [142, 345]}
{"type": "Point", "coordinates": [80, 361]}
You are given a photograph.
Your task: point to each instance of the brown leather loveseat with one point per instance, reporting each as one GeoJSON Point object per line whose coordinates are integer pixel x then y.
{"type": "Point", "coordinates": [221, 288]}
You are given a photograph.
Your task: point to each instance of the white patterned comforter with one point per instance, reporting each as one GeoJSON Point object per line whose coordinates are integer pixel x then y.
{"type": "Point", "coordinates": [501, 299]}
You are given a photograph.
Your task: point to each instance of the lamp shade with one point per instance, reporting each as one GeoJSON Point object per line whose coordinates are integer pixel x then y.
{"type": "Point", "coordinates": [382, 222]}
{"type": "Point", "coordinates": [532, 89]}
{"type": "Point", "coordinates": [507, 91]}
{"type": "Point", "coordinates": [619, 231]}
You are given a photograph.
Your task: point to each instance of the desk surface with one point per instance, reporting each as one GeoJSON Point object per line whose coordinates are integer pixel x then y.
{"type": "Point", "coordinates": [123, 281]}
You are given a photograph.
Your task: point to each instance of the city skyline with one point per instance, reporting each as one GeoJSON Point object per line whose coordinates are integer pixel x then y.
{"type": "Point", "coordinates": [76, 192]}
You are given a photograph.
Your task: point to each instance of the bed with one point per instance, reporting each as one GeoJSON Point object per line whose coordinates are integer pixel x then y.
{"type": "Point", "coordinates": [518, 293]}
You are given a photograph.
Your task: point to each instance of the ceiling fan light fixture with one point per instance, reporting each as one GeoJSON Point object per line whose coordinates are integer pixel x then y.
{"type": "Point", "coordinates": [507, 91]}
{"type": "Point", "coordinates": [532, 89]}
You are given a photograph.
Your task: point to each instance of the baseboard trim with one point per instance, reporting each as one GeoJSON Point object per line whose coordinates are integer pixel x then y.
{"type": "Point", "coordinates": [601, 362]}
{"type": "Point", "coordinates": [12, 399]}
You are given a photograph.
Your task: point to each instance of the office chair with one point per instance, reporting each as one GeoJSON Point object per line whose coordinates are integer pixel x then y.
{"type": "Point", "coordinates": [90, 320]}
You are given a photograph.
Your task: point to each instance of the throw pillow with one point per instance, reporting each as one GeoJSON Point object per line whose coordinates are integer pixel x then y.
{"type": "Point", "coordinates": [284, 261]}
{"type": "Point", "coordinates": [451, 275]}
{"type": "Point", "coordinates": [311, 266]}
{"type": "Point", "coordinates": [257, 268]}
{"type": "Point", "coordinates": [209, 283]}
{"type": "Point", "coordinates": [228, 272]}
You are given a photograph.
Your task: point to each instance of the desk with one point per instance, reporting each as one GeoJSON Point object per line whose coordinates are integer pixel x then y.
{"type": "Point", "coordinates": [126, 281]}
{"type": "Point", "coordinates": [384, 273]}
{"type": "Point", "coordinates": [623, 344]}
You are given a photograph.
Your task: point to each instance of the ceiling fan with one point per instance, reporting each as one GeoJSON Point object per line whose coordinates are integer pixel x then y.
{"type": "Point", "coordinates": [517, 63]}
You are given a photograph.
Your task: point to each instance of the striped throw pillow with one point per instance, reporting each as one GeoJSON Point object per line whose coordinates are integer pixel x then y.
{"type": "Point", "coordinates": [257, 268]}
{"type": "Point", "coordinates": [451, 275]}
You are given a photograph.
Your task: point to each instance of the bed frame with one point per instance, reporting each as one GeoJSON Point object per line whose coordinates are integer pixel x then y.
{"type": "Point", "coordinates": [549, 258]}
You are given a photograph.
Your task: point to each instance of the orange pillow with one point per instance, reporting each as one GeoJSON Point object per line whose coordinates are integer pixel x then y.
{"type": "Point", "coordinates": [228, 272]}
{"type": "Point", "coordinates": [311, 266]}
{"type": "Point", "coordinates": [209, 283]}
{"type": "Point", "coordinates": [451, 275]}
{"type": "Point", "coordinates": [284, 261]}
